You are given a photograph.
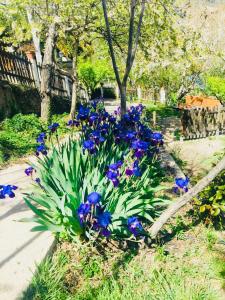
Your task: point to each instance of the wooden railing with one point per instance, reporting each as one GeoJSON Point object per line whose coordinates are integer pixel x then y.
{"type": "Point", "coordinates": [203, 122]}
{"type": "Point", "coordinates": [18, 69]}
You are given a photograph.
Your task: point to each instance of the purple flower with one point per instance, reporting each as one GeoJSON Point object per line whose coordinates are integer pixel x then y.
{"type": "Point", "coordinates": [104, 128]}
{"type": "Point", "coordinates": [104, 219]}
{"type": "Point", "coordinates": [38, 180]}
{"type": "Point", "coordinates": [93, 117]}
{"type": "Point", "coordinates": [135, 170]}
{"type": "Point", "coordinates": [139, 145]}
{"type": "Point", "coordinates": [41, 138]}
{"type": "Point", "coordinates": [90, 146]}
{"type": "Point", "coordinates": [130, 135]}
{"type": "Point", "coordinates": [157, 138]}
{"type": "Point", "coordinates": [72, 123]}
{"type": "Point", "coordinates": [140, 148]}
{"type": "Point", "coordinates": [113, 172]}
{"type": "Point", "coordinates": [41, 149]}
{"type": "Point", "coordinates": [112, 175]}
{"type": "Point", "coordinates": [29, 171]}
{"type": "Point", "coordinates": [7, 190]}
{"type": "Point", "coordinates": [93, 198]}
{"type": "Point", "coordinates": [134, 225]}
{"type": "Point", "coordinates": [115, 182]}
{"type": "Point", "coordinates": [105, 232]}
{"type": "Point", "coordinates": [53, 127]}
{"type": "Point", "coordinates": [83, 210]}
{"type": "Point", "coordinates": [129, 172]}
{"type": "Point", "coordinates": [181, 184]}
{"type": "Point", "coordinates": [83, 113]}
{"type": "Point", "coordinates": [96, 136]}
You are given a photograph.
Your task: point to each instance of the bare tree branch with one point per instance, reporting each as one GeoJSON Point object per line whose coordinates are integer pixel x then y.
{"type": "Point", "coordinates": [131, 50]}
{"type": "Point", "coordinates": [109, 39]}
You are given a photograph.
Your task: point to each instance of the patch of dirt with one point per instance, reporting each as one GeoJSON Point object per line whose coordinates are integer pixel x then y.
{"type": "Point", "coordinates": [198, 156]}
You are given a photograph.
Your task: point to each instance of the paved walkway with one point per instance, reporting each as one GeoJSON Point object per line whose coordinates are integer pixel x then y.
{"type": "Point", "coordinates": [20, 249]}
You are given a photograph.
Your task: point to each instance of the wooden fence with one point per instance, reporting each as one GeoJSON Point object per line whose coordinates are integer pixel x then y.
{"type": "Point", "coordinates": [17, 69]}
{"type": "Point", "coordinates": [203, 122]}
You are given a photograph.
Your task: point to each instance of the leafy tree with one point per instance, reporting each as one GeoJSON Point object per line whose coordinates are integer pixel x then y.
{"type": "Point", "coordinates": [93, 74]}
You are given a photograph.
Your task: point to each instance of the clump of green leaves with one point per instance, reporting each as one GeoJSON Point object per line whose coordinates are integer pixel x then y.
{"type": "Point", "coordinates": [210, 204]}
{"type": "Point", "coordinates": [68, 176]}
{"type": "Point", "coordinates": [17, 136]}
{"type": "Point", "coordinates": [215, 86]}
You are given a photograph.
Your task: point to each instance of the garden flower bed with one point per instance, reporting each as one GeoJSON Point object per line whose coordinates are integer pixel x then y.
{"type": "Point", "coordinates": [105, 184]}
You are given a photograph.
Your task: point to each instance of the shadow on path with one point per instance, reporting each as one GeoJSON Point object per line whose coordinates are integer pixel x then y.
{"type": "Point", "coordinates": [20, 207]}
{"type": "Point", "coordinates": [18, 250]}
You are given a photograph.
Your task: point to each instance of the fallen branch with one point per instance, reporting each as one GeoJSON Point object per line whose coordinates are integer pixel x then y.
{"type": "Point", "coordinates": [183, 200]}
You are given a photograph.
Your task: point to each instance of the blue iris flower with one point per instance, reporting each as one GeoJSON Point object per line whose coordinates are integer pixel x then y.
{"type": "Point", "coordinates": [182, 184]}
{"type": "Point", "coordinates": [41, 149]}
{"type": "Point", "coordinates": [53, 127]}
{"type": "Point", "coordinates": [134, 225]}
{"type": "Point", "coordinates": [104, 219]}
{"type": "Point", "coordinates": [72, 123]}
{"type": "Point", "coordinates": [94, 198]}
{"type": "Point", "coordinates": [136, 169]}
{"type": "Point", "coordinates": [28, 171]}
{"type": "Point", "coordinates": [105, 232]}
{"type": "Point", "coordinates": [139, 145]}
{"type": "Point", "coordinates": [41, 138]}
{"type": "Point", "coordinates": [96, 136]}
{"type": "Point", "coordinates": [156, 136]}
{"type": "Point", "coordinates": [93, 117]}
{"type": "Point", "coordinates": [7, 190]}
{"type": "Point", "coordinates": [83, 210]}
{"type": "Point", "coordinates": [83, 113]}
{"type": "Point", "coordinates": [112, 175]}
{"type": "Point", "coordinates": [90, 146]}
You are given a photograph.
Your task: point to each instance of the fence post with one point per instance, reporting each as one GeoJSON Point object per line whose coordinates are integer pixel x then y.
{"type": "Point", "coordinates": [31, 58]}
{"type": "Point", "coordinates": [139, 93]}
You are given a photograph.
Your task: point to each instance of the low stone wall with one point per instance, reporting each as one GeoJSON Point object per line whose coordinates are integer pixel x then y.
{"type": "Point", "coordinates": [19, 99]}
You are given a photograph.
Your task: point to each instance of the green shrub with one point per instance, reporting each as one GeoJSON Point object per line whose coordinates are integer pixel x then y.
{"type": "Point", "coordinates": [215, 86]}
{"type": "Point", "coordinates": [21, 123]}
{"type": "Point", "coordinates": [18, 134]}
{"type": "Point", "coordinates": [210, 204]}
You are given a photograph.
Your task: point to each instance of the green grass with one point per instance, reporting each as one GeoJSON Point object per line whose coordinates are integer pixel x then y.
{"type": "Point", "coordinates": [191, 268]}
{"type": "Point", "coordinates": [161, 110]}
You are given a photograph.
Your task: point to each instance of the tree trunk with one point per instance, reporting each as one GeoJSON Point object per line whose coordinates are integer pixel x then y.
{"type": "Point", "coordinates": [75, 84]}
{"type": "Point", "coordinates": [47, 73]}
{"type": "Point", "coordinates": [35, 37]}
{"type": "Point", "coordinates": [123, 99]}
{"type": "Point", "coordinates": [183, 200]}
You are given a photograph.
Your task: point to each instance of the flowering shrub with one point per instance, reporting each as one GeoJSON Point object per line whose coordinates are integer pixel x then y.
{"type": "Point", "coordinates": [102, 184]}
